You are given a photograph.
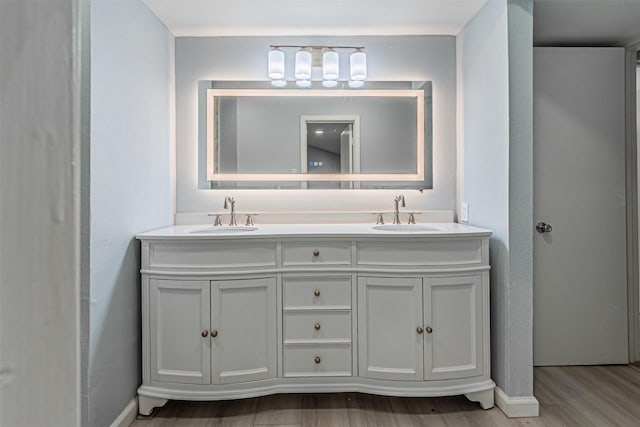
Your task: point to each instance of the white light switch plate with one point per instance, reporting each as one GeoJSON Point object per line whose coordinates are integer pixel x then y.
{"type": "Point", "coordinates": [464, 212]}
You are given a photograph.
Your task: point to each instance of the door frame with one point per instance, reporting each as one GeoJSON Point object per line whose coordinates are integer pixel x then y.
{"type": "Point", "coordinates": [631, 160]}
{"type": "Point", "coordinates": [354, 120]}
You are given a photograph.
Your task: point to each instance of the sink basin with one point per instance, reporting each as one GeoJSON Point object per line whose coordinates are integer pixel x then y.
{"type": "Point", "coordinates": [406, 228]}
{"type": "Point", "coordinates": [224, 230]}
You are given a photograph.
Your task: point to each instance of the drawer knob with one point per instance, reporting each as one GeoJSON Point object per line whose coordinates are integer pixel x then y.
{"type": "Point", "coordinates": [317, 360]}
{"type": "Point", "coordinates": [316, 292]}
{"type": "Point", "coordinates": [204, 333]}
{"type": "Point", "coordinates": [317, 326]}
{"type": "Point", "coordinates": [419, 330]}
{"type": "Point", "coordinates": [316, 252]}
{"type": "Point", "coordinates": [429, 329]}
{"type": "Point", "coordinates": [214, 333]}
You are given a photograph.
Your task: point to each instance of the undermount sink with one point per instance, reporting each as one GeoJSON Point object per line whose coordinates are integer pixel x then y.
{"type": "Point", "coordinates": [406, 228]}
{"type": "Point", "coordinates": [223, 230]}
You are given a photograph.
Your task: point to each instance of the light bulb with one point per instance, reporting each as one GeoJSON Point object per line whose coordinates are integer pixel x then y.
{"type": "Point", "coordinates": [358, 65]}
{"type": "Point", "coordinates": [276, 64]}
{"type": "Point", "coordinates": [330, 65]}
{"type": "Point", "coordinates": [303, 64]}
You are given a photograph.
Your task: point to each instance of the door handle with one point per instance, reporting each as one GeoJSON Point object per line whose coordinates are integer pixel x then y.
{"type": "Point", "coordinates": [543, 227]}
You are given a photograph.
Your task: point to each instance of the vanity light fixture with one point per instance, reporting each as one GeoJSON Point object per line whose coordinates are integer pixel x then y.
{"type": "Point", "coordinates": [313, 63]}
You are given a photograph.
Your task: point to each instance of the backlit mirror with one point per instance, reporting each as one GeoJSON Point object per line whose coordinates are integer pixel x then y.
{"type": "Point", "coordinates": [377, 137]}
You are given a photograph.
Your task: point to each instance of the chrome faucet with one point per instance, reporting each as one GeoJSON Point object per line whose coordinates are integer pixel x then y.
{"type": "Point", "coordinates": [231, 201]}
{"type": "Point", "coordinates": [396, 211]}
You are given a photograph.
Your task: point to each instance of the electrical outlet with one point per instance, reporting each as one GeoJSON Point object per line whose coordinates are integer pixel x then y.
{"type": "Point", "coordinates": [464, 212]}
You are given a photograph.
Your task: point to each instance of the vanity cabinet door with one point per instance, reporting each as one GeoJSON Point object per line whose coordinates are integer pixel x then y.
{"type": "Point", "coordinates": [453, 319]}
{"type": "Point", "coordinates": [178, 330]}
{"type": "Point", "coordinates": [243, 330]}
{"type": "Point", "coordinates": [390, 319]}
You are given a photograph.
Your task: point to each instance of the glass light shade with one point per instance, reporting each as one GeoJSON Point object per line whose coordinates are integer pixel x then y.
{"type": "Point", "coordinates": [303, 83]}
{"type": "Point", "coordinates": [358, 64]}
{"type": "Point", "coordinates": [278, 83]}
{"type": "Point", "coordinates": [329, 83]}
{"type": "Point", "coordinates": [303, 65]}
{"type": "Point", "coordinates": [354, 84]}
{"type": "Point", "coordinates": [276, 64]}
{"type": "Point", "coordinates": [330, 65]}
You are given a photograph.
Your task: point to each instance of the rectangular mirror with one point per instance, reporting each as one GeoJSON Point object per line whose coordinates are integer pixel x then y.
{"type": "Point", "coordinates": [319, 138]}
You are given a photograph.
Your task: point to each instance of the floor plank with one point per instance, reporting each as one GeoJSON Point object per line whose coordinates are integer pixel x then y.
{"type": "Point", "coordinates": [571, 396]}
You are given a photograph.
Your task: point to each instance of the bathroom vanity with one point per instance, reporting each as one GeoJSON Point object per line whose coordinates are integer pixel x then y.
{"type": "Point", "coordinates": [237, 312]}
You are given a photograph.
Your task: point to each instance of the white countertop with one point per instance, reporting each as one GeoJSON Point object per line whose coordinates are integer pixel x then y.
{"type": "Point", "coordinates": [208, 231]}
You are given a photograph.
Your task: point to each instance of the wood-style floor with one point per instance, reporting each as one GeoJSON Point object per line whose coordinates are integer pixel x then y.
{"type": "Point", "coordinates": [569, 396]}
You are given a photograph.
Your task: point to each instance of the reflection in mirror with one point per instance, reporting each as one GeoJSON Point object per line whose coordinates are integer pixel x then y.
{"type": "Point", "coordinates": [320, 138]}
{"type": "Point", "coordinates": [327, 146]}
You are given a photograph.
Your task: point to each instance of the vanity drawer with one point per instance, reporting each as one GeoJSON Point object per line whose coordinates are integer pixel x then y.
{"type": "Point", "coordinates": [317, 325]}
{"type": "Point", "coordinates": [212, 255]}
{"type": "Point", "coordinates": [317, 292]}
{"type": "Point", "coordinates": [318, 361]}
{"type": "Point", "coordinates": [417, 254]}
{"type": "Point", "coordinates": [296, 254]}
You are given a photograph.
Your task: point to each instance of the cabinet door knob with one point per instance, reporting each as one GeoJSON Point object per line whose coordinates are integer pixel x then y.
{"type": "Point", "coordinates": [204, 333]}
{"type": "Point", "coordinates": [317, 360]}
{"type": "Point", "coordinates": [214, 333]}
{"type": "Point", "coordinates": [317, 326]}
{"type": "Point", "coordinates": [419, 330]}
{"type": "Point", "coordinates": [316, 252]}
{"type": "Point", "coordinates": [316, 292]}
{"type": "Point", "coordinates": [429, 329]}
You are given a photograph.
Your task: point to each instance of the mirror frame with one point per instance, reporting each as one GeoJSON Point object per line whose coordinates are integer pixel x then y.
{"type": "Point", "coordinates": [408, 93]}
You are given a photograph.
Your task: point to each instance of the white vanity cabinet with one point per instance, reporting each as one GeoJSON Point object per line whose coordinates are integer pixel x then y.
{"type": "Point", "coordinates": [216, 332]}
{"type": "Point", "coordinates": [332, 308]}
{"type": "Point", "coordinates": [420, 328]}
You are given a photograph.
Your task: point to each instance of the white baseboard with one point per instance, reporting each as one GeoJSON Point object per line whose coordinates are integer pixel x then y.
{"type": "Point", "coordinates": [128, 415]}
{"type": "Point", "coordinates": [515, 407]}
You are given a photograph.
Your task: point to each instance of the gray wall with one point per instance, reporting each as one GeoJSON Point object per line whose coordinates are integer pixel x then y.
{"type": "Point", "coordinates": [39, 214]}
{"type": "Point", "coordinates": [397, 58]}
{"type": "Point", "coordinates": [494, 54]}
{"type": "Point", "coordinates": [131, 188]}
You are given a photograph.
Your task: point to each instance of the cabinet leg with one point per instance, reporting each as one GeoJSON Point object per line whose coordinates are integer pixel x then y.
{"type": "Point", "coordinates": [484, 398]}
{"type": "Point", "coordinates": [147, 403]}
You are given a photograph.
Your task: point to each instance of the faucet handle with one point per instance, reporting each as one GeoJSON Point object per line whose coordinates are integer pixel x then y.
{"type": "Point", "coordinates": [249, 220]}
{"type": "Point", "coordinates": [380, 219]}
{"type": "Point", "coordinates": [412, 219]}
{"type": "Point", "coordinates": [218, 220]}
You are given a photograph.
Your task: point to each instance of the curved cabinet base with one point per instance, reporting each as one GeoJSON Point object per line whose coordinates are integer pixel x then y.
{"type": "Point", "coordinates": [239, 317]}
{"type": "Point", "coordinates": [150, 397]}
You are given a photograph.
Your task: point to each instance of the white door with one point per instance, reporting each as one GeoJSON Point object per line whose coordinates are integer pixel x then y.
{"type": "Point", "coordinates": [580, 288]}
{"type": "Point", "coordinates": [179, 331]}
{"type": "Point", "coordinates": [453, 327]}
{"type": "Point", "coordinates": [243, 330]}
{"type": "Point", "coordinates": [389, 314]}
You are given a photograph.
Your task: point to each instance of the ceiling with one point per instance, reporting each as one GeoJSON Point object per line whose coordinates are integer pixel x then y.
{"type": "Point", "coordinates": [556, 22]}
{"type": "Point", "coordinates": [586, 22]}
{"type": "Point", "coordinates": [314, 17]}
